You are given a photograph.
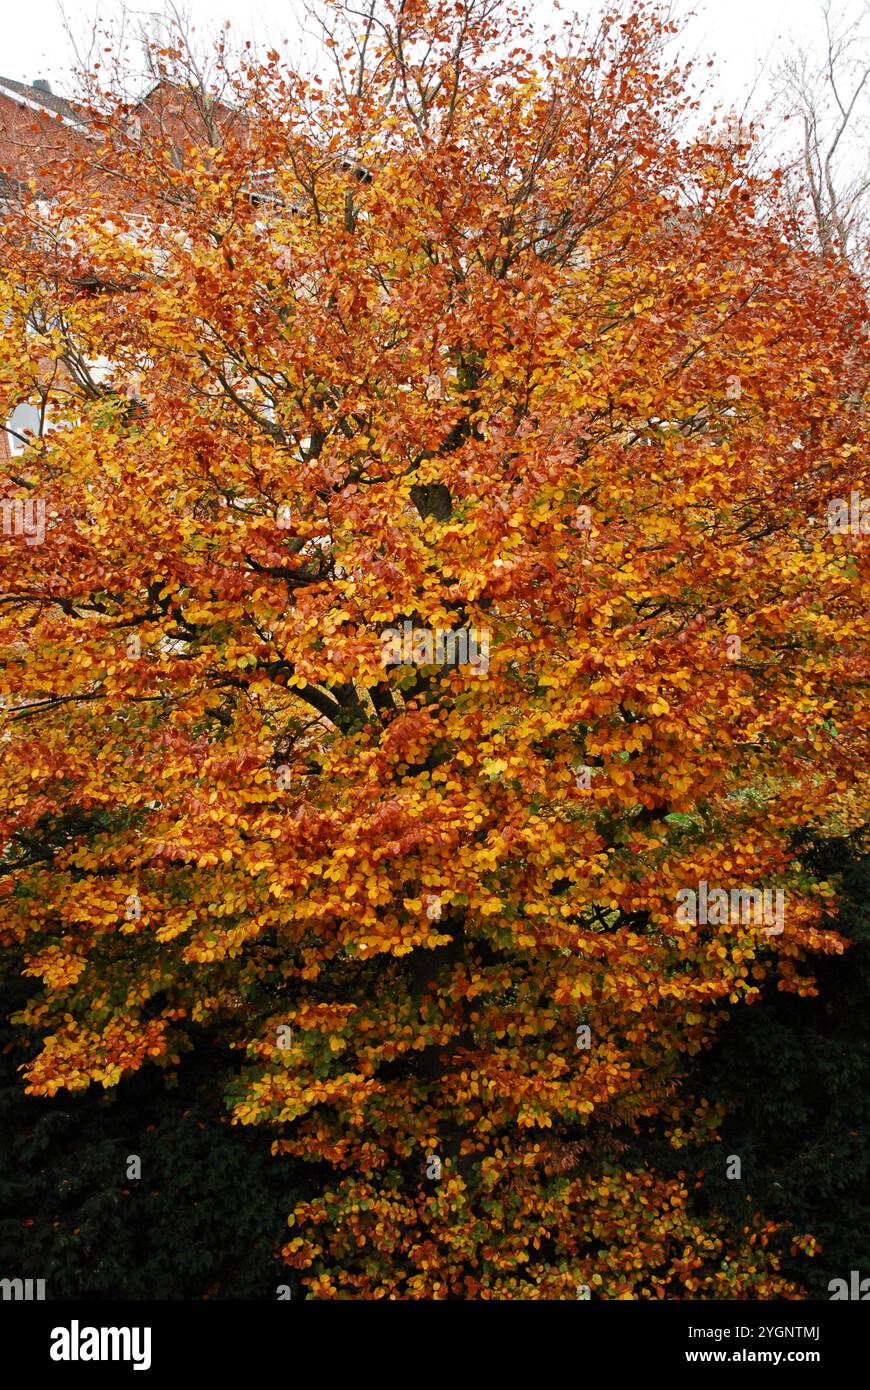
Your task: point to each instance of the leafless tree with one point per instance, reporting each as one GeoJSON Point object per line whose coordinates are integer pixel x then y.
{"type": "Point", "coordinates": [827, 93]}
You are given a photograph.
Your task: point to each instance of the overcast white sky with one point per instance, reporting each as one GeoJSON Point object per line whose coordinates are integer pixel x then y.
{"type": "Point", "coordinates": [741, 34]}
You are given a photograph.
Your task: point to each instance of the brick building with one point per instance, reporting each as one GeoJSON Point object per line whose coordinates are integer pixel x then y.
{"type": "Point", "coordinates": [37, 130]}
{"type": "Point", "coordinates": [43, 135]}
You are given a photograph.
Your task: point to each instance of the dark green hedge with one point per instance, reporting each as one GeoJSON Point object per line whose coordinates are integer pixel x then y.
{"type": "Point", "coordinates": [205, 1220]}
{"type": "Point", "coordinates": [795, 1074]}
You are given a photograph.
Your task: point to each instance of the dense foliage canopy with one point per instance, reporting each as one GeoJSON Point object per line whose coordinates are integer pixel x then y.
{"type": "Point", "coordinates": [472, 343]}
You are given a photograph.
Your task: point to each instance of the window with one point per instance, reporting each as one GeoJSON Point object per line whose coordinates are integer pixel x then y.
{"type": "Point", "coordinates": [22, 425]}
{"type": "Point", "coordinates": [261, 190]}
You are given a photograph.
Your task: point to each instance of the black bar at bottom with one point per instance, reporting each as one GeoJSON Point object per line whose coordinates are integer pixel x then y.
{"type": "Point", "coordinates": [296, 1339]}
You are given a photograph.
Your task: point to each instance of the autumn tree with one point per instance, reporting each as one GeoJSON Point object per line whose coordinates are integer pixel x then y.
{"type": "Point", "coordinates": [436, 587]}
